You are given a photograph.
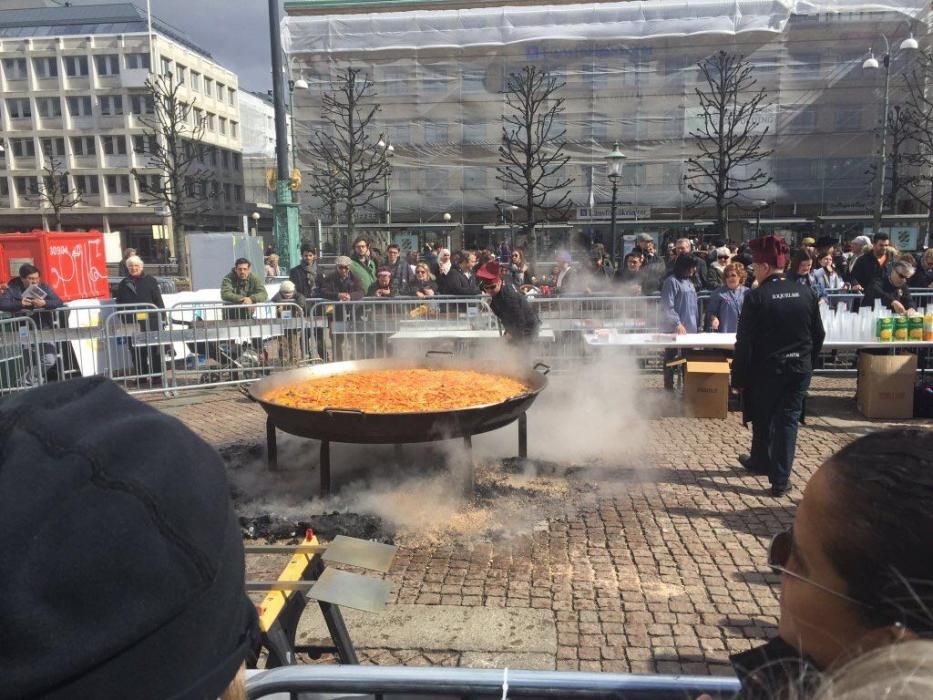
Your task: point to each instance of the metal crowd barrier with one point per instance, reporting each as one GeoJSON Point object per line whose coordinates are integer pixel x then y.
{"type": "Point", "coordinates": [192, 345]}
{"type": "Point", "coordinates": [22, 357]}
{"type": "Point", "coordinates": [360, 330]}
{"type": "Point", "coordinates": [387, 682]}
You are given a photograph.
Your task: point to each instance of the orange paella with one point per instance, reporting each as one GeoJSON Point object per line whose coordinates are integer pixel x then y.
{"type": "Point", "coordinates": [399, 391]}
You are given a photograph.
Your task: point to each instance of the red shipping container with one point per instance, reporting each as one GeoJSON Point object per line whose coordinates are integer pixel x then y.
{"type": "Point", "coordinates": [72, 263]}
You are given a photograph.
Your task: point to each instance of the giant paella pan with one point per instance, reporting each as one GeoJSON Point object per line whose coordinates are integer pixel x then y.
{"type": "Point", "coordinates": [395, 401]}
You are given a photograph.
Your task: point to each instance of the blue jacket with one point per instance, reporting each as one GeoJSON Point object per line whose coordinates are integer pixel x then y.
{"type": "Point", "coordinates": [679, 304]}
{"type": "Point", "coordinates": [726, 305]}
{"type": "Point", "coordinates": [12, 302]}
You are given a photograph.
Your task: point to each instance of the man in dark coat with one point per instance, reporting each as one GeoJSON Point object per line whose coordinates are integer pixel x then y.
{"type": "Point", "coordinates": [305, 277]}
{"type": "Point", "coordinates": [510, 306]}
{"type": "Point", "coordinates": [341, 285]}
{"type": "Point", "coordinates": [459, 282]}
{"type": "Point", "coordinates": [398, 266]}
{"type": "Point", "coordinates": [871, 266]}
{"type": "Point", "coordinates": [779, 336]}
{"type": "Point", "coordinates": [28, 296]}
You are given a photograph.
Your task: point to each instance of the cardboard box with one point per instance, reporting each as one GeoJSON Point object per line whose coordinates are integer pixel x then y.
{"type": "Point", "coordinates": [886, 385]}
{"type": "Point", "coordinates": [706, 388]}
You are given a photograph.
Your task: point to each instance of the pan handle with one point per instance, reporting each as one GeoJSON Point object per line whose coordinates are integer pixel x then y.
{"type": "Point", "coordinates": [547, 368]}
{"type": "Point", "coordinates": [243, 389]}
{"type": "Point", "coordinates": [342, 411]}
{"type": "Point", "coordinates": [437, 352]}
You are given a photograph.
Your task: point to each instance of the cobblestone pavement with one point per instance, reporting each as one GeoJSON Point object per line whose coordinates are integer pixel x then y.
{"type": "Point", "coordinates": [664, 575]}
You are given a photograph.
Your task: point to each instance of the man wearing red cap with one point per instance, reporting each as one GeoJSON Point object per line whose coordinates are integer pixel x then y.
{"type": "Point", "coordinates": [778, 338]}
{"type": "Point", "coordinates": [510, 306]}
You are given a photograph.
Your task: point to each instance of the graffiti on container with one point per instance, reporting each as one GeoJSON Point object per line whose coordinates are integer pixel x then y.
{"type": "Point", "coordinates": [74, 271]}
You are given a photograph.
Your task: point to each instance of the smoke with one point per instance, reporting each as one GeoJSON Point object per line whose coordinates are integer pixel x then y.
{"type": "Point", "coordinates": [584, 427]}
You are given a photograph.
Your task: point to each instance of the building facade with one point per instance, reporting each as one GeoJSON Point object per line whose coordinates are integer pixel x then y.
{"type": "Point", "coordinates": [439, 69]}
{"type": "Point", "coordinates": [73, 82]}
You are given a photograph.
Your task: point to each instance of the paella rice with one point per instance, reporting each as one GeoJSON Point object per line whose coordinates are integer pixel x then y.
{"type": "Point", "coordinates": [399, 391]}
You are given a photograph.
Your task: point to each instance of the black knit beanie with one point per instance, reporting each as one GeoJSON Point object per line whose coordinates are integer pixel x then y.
{"type": "Point", "coordinates": [121, 561]}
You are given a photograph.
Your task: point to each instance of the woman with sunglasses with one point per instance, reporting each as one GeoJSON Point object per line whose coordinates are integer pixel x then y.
{"type": "Point", "coordinates": [519, 272]}
{"type": "Point", "coordinates": [717, 266]}
{"type": "Point", "coordinates": [856, 568]}
{"type": "Point", "coordinates": [421, 285]}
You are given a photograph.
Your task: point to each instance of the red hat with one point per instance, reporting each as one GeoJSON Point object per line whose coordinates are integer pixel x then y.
{"type": "Point", "coordinates": [489, 271]}
{"type": "Point", "coordinates": [771, 250]}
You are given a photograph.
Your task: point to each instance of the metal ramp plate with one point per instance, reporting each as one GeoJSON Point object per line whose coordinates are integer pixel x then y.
{"type": "Point", "coordinates": [374, 556]}
{"type": "Point", "coordinates": [351, 590]}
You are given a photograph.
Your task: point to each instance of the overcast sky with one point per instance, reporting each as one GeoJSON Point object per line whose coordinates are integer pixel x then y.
{"type": "Point", "coordinates": [234, 32]}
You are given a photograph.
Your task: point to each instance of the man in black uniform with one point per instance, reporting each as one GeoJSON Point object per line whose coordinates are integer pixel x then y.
{"type": "Point", "coordinates": [510, 306]}
{"type": "Point", "coordinates": [779, 336]}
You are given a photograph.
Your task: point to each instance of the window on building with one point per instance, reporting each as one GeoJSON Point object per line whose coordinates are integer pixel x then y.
{"type": "Point", "coordinates": [231, 96]}
{"type": "Point", "coordinates": [4, 187]}
{"type": "Point", "coordinates": [399, 133]}
{"type": "Point", "coordinates": [83, 146]}
{"type": "Point", "coordinates": [474, 132]}
{"type": "Point", "coordinates": [19, 108]}
{"type": "Point", "coordinates": [595, 75]}
{"type": "Point", "coordinates": [222, 125]}
{"type": "Point", "coordinates": [144, 143]}
{"type": "Point", "coordinates": [195, 81]}
{"type": "Point", "coordinates": [137, 60]}
{"type": "Point", "coordinates": [598, 128]}
{"type": "Point", "coordinates": [800, 119]}
{"type": "Point", "coordinates": [220, 91]}
{"type": "Point", "coordinates": [848, 117]}
{"type": "Point", "coordinates": [142, 104]}
{"type": "Point", "coordinates": [434, 81]}
{"type": "Point", "coordinates": [181, 74]}
{"type": "Point", "coordinates": [107, 64]}
{"type": "Point", "coordinates": [49, 107]}
{"type": "Point", "coordinates": [53, 148]}
{"type": "Point", "coordinates": [208, 86]}
{"type": "Point", "coordinates": [45, 67]}
{"type": "Point", "coordinates": [435, 132]}
{"type": "Point", "coordinates": [76, 66]}
{"type": "Point", "coordinates": [50, 184]}
{"type": "Point", "coordinates": [209, 122]}
{"type": "Point", "coordinates": [234, 129]}
{"type": "Point", "coordinates": [394, 81]}
{"type": "Point", "coordinates": [166, 66]}
{"type": "Point", "coordinates": [117, 184]}
{"type": "Point", "coordinates": [225, 159]}
{"type": "Point", "coordinates": [26, 185]}
{"type": "Point", "coordinates": [474, 178]}
{"type": "Point", "coordinates": [149, 184]}
{"type": "Point", "coordinates": [23, 148]}
{"type": "Point", "coordinates": [228, 191]}
{"type": "Point", "coordinates": [113, 145]}
{"type": "Point", "coordinates": [111, 105]}
{"type": "Point", "coordinates": [87, 184]}
{"type": "Point", "coordinates": [473, 80]}
{"type": "Point", "coordinates": [235, 158]}
{"type": "Point", "coordinates": [238, 193]}
{"type": "Point", "coordinates": [672, 173]}
{"type": "Point", "coordinates": [15, 68]}
{"type": "Point", "coordinates": [79, 105]}
{"type": "Point", "coordinates": [213, 157]}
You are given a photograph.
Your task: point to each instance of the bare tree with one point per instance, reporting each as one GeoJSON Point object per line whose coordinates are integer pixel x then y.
{"type": "Point", "coordinates": [729, 139]}
{"type": "Point", "coordinates": [531, 154]}
{"type": "Point", "coordinates": [53, 192]}
{"type": "Point", "coordinates": [897, 178]}
{"type": "Point", "coordinates": [183, 184]}
{"type": "Point", "coordinates": [323, 185]}
{"type": "Point", "coordinates": [919, 114]}
{"type": "Point", "coordinates": [347, 167]}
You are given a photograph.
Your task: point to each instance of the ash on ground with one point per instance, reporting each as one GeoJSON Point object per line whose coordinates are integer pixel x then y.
{"type": "Point", "coordinates": [418, 503]}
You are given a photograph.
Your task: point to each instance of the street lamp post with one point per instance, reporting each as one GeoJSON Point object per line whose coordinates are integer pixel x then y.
{"type": "Point", "coordinates": [871, 63]}
{"type": "Point", "coordinates": [389, 151]}
{"type": "Point", "coordinates": [447, 221]}
{"type": "Point", "coordinates": [759, 205]}
{"type": "Point", "coordinates": [255, 217]}
{"type": "Point", "coordinates": [614, 160]}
